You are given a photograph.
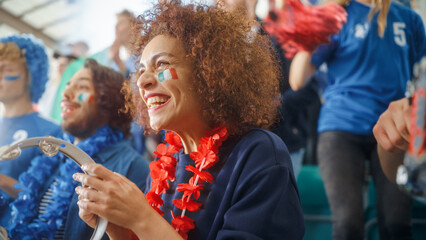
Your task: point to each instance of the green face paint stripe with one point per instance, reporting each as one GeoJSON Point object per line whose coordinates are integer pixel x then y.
{"type": "Point", "coordinates": [84, 97]}
{"type": "Point", "coordinates": [12, 77]}
{"type": "Point", "coordinates": [161, 76]}
{"type": "Point", "coordinates": [167, 74]}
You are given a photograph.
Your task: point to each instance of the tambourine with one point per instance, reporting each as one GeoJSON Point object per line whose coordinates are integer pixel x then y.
{"type": "Point", "coordinates": [50, 146]}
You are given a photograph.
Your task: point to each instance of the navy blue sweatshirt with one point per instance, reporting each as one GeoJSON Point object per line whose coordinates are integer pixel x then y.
{"type": "Point", "coordinates": [253, 194]}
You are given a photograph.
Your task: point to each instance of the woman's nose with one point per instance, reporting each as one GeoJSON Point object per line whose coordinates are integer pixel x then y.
{"type": "Point", "coordinates": [146, 81]}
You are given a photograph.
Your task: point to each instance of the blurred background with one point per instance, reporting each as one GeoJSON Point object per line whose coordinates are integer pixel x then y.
{"type": "Point", "coordinates": [62, 23]}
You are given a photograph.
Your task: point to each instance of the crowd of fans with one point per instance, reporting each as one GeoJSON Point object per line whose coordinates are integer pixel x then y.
{"type": "Point", "coordinates": [199, 123]}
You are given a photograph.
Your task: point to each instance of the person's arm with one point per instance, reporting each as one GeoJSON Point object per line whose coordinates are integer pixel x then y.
{"type": "Point", "coordinates": [390, 161]}
{"type": "Point", "coordinates": [6, 184]}
{"type": "Point", "coordinates": [392, 132]}
{"type": "Point", "coordinates": [122, 203]}
{"type": "Point", "coordinates": [301, 70]}
{"type": "Point", "coordinates": [114, 54]}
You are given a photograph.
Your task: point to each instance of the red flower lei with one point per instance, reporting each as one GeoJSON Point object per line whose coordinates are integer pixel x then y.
{"type": "Point", "coordinates": [163, 172]}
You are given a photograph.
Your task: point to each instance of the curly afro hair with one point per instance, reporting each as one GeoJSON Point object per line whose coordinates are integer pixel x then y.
{"type": "Point", "coordinates": [36, 60]}
{"type": "Point", "coordinates": [236, 77]}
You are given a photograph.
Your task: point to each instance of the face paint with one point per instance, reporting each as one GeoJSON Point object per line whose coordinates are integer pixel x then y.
{"type": "Point", "coordinates": [168, 74]}
{"type": "Point", "coordinates": [85, 97]}
{"type": "Point", "coordinates": [12, 77]}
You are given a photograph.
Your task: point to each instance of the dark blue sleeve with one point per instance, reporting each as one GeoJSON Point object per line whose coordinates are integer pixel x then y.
{"type": "Point", "coordinates": [269, 209]}
{"type": "Point", "coordinates": [266, 202]}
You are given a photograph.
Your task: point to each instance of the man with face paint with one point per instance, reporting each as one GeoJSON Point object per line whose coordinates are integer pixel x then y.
{"type": "Point", "coordinates": [92, 120]}
{"type": "Point", "coordinates": [24, 70]}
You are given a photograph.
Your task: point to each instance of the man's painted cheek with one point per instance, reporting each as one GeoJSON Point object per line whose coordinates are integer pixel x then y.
{"type": "Point", "coordinates": [167, 74]}
{"type": "Point", "coordinates": [12, 77]}
{"type": "Point", "coordinates": [85, 98]}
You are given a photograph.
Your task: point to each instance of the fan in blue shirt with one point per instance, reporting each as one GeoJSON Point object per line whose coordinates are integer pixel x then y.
{"type": "Point", "coordinates": [23, 74]}
{"type": "Point", "coordinates": [369, 63]}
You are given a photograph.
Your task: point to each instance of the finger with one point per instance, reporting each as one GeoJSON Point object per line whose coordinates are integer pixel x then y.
{"type": "Point", "coordinates": [401, 119]}
{"type": "Point", "coordinates": [396, 135]}
{"type": "Point", "coordinates": [92, 207]}
{"type": "Point", "coordinates": [382, 139]}
{"type": "Point", "coordinates": [407, 119]}
{"type": "Point", "coordinates": [388, 125]}
{"type": "Point", "coordinates": [90, 194]}
{"type": "Point", "coordinates": [97, 170]}
{"type": "Point", "coordinates": [90, 181]}
{"type": "Point", "coordinates": [87, 216]}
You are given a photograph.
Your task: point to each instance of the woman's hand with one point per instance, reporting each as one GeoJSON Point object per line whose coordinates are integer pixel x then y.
{"type": "Point", "coordinates": [109, 195]}
{"type": "Point", "coordinates": [114, 197]}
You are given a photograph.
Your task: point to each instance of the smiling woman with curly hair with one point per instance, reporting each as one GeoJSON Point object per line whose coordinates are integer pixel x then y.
{"type": "Point", "coordinates": [212, 82]}
{"type": "Point", "coordinates": [234, 74]}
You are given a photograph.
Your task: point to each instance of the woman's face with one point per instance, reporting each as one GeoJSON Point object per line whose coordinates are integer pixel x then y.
{"type": "Point", "coordinates": [171, 102]}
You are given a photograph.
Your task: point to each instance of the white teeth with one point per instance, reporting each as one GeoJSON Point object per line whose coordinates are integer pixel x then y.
{"type": "Point", "coordinates": [65, 109]}
{"type": "Point", "coordinates": [156, 101]}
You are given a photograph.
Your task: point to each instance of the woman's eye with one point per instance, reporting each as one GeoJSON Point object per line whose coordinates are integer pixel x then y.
{"type": "Point", "coordinates": [139, 72]}
{"type": "Point", "coordinates": [162, 63]}
{"type": "Point", "coordinates": [83, 87]}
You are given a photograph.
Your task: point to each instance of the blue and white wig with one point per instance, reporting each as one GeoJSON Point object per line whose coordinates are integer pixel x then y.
{"type": "Point", "coordinates": [36, 60]}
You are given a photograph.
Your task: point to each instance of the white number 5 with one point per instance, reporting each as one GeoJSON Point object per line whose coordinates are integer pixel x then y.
{"type": "Point", "coordinates": [398, 31]}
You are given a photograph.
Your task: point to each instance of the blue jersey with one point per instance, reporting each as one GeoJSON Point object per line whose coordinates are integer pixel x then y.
{"type": "Point", "coordinates": [20, 128]}
{"type": "Point", "coordinates": [367, 72]}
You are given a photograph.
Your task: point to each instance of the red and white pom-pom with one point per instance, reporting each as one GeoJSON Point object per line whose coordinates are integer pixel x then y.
{"type": "Point", "coordinates": [301, 27]}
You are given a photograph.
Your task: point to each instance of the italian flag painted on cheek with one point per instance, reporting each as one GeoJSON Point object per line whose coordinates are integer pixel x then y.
{"type": "Point", "coordinates": [167, 74]}
{"type": "Point", "coordinates": [85, 97]}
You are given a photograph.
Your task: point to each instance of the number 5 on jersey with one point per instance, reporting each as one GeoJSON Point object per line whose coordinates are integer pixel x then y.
{"type": "Point", "coordinates": [399, 33]}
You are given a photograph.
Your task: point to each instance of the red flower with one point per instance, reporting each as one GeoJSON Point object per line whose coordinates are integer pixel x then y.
{"type": "Point", "coordinates": [161, 171]}
{"type": "Point", "coordinates": [164, 150]}
{"type": "Point", "coordinates": [182, 224]}
{"type": "Point", "coordinates": [203, 156]}
{"type": "Point", "coordinates": [186, 203]}
{"type": "Point", "coordinates": [154, 199]}
{"type": "Point", "coordinates": [210, 144]}
{"type": "Point", "coordinates": [184, 235]}
{"type": "Point", "coordinates": [189, 189]}
{"type": "Point", "coordinates": [159, 186]}
{"type": "Point", "coordinates": [203, 175]}
{"type": "Point", "coordinates": [168, 160]}
{"type": "Point", "coordinates": [155, 168]}
{"type": "Point", "coordinates": [219, 134]}
{"type": "Point", "coordinates": [173, 139]}
{"type": "Point", "coordinates": [161, 150]}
